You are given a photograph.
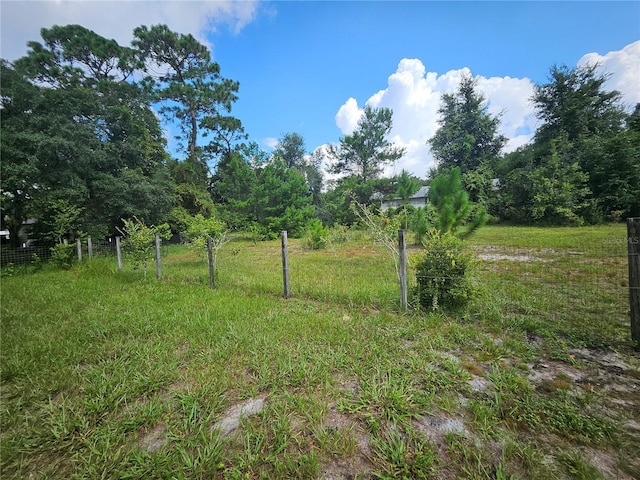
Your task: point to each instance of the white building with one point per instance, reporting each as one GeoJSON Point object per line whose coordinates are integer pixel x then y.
{"type": "Point", "coordinates": [417, 200]}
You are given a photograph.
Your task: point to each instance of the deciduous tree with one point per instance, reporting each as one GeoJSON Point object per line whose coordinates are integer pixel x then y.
{"type": "Point", "coordinates": [77, 129]}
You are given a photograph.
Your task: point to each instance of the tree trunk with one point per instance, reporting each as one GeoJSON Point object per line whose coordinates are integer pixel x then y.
{"type": "Point", "coordinates": [194, 134]}
{"type": "Point", "coordinates": [14, 230]}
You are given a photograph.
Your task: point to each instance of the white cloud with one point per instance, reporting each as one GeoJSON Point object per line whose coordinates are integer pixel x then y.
{"type": "Point", "coordinates": [270, 142]}
{"type": "Point", "coordinates": [415, 97]}
{"type": "Point", "coordinates": [348, 116]}
{"type": "Point", "coordinates": [623, 66]}
{"type": "Point", "coordinates": [22, 20]}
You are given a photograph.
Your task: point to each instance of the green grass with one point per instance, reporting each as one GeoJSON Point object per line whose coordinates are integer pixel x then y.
{"type": "Point", "coordinates": [106, 375]}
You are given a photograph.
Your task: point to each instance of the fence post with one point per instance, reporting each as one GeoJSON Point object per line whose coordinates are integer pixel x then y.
{"type": "Point", "coordinates": [79, 249]}
{"type": "Point", "coordinates": [285, 265]}
{"type": "Point", "coordinates": [90, 248]}
{"type": "Point", "coordinates": [210, 258]}
{"type": "Point", "coordinates": [158, 269]}
{"type": "Point", "coordinates": [402, 264]}
{"type": "Point", "coordinates": [118, 253]}
{"type": "Point", "coordinates": [633, 248]}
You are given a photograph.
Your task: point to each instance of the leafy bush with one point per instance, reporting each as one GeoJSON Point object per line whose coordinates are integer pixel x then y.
{"type": "Point", "coordinates": [36, 262]}
{"type": "Point", "coordinates": [257, 232]}
{"type": "Point", "coordinates": [316, 235]}
{"type": "Point", "coordinates": [338, 235]}
{"type": "Point", "coordinates": [62, 255]}
{"type": "Point", "coordinates": [200, 228]}
{"type": "Point", "coordinates": [8, 270]}
{"type": "Point", "coordinates": [442, 273]}
{"type": "Point", "coordinates": [140, 239]}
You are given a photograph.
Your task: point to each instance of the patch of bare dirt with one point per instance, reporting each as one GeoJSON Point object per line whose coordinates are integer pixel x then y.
{"type": "Point", "coordinates": [598, 370]}
{"type": "Point", "coordinates": [614, 375]}
{"type": "Point", "coordinates": [356, 465]}
{"type": "Point", "coordinates": [230, 420]}
{"type": "Point", "coordinates": [153, 440]}
{"type": "Point", "coordinates": [435, 427]}
{"type": "Point", "coordinates": [494, 254]}
{"type": "Point", "coordinates": [492, 257]}
{"type": "Point", "coordinates": [605, 461]}
{"type": "Point", "coordinates": [549, 371]}
{"type": "Point", "coordinates": [479, 384]}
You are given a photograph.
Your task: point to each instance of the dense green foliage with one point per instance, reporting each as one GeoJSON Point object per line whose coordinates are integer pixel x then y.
{"type": "Point", "coordinates": [367, 150]}
{"type": "Point", "coordinates": [280, 199]}
{"type": "Point", "coordinates": [82, 149]}
{"type": "Point", "coordinates": [455, 213]}
{"type": "Point", "coordinates": [468, 133]}
{"type": "Point", "coordinates": [468, 139]}
{"type": "Point", "coordinates": [316, 235]}
{"type": "Point", "coordinates": [139, 240]}
{"type": "Point", "coordinates": [443, 277]}
{"type": "Point", "coordinates": [582, 166]}
{"type": "Point", "coordinates": [584, 163]}
{"type": "Point", "coordinates": [77, 130]}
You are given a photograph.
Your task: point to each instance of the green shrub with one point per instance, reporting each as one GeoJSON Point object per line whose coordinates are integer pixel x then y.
{"type": "Point", "coordinates": [200, 228]}
{"type": "Point", "coordinates": [257, 232]}
{"type": "Point", "coordinates": [8, 270]}
{"type": "Point", "coordinates": [62, 255]}
{"type": "Point", "coordinates": [36, 263]}
{"type": "Point", "coordinates": [442, 273]}
{"type": "Point", "coordinates": [420, 220]}
{"type": "Point", "coordinates": [338, 235]}
{"type": "Point", "coordinates": [316, 235]}
{"type": "Point", "coordinates": [139, 240]}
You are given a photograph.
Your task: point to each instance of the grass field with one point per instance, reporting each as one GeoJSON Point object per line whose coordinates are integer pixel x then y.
{"type": "Point", "coordinates": [106, 375]}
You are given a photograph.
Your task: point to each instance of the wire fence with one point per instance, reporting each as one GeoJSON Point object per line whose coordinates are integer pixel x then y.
{"type": "Point", "coordinates": [31, 254]}
{"type": "Point", "coordinates": [587, 283]}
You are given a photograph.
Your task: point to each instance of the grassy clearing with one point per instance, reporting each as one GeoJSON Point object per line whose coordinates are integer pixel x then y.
{"type": "Point", "coordinates": [105, 375]}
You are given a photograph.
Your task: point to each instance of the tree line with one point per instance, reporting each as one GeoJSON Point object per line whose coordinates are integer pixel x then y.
{"type": "Point", "coordinates": [583, 165]}
{"type": "Point", "coordinates": [83, 148]}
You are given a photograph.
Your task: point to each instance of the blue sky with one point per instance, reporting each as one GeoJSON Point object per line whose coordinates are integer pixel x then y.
{"type": "Point", "coordinates": [297, 66]}
{"type": "Point", "coordinates": [300, 63]}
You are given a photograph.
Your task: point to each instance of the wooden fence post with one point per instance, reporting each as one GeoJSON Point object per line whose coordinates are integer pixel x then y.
{"type": "Point", "coordinates": [90, 248]}
{"type": "Point", "coordinates": [285, 265]}
{"type": "Point", "coordinates": [402, 264]}
{"type": "Point", "coordinates": [633, 248]}
{"type": "Point", "coordinates": [210, 258]}
{"type": "Point", "coordinates": [79, 249]}
{"type": "Point", "coordinates": [118, 253]}
{"type": "Point", "coordinates": [158, 269]}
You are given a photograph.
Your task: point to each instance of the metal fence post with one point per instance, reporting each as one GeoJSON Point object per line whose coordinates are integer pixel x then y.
{"type": "Point", "coordinates": [285, 265]}
{"type": "Point", "coordinates": [118, 253]}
